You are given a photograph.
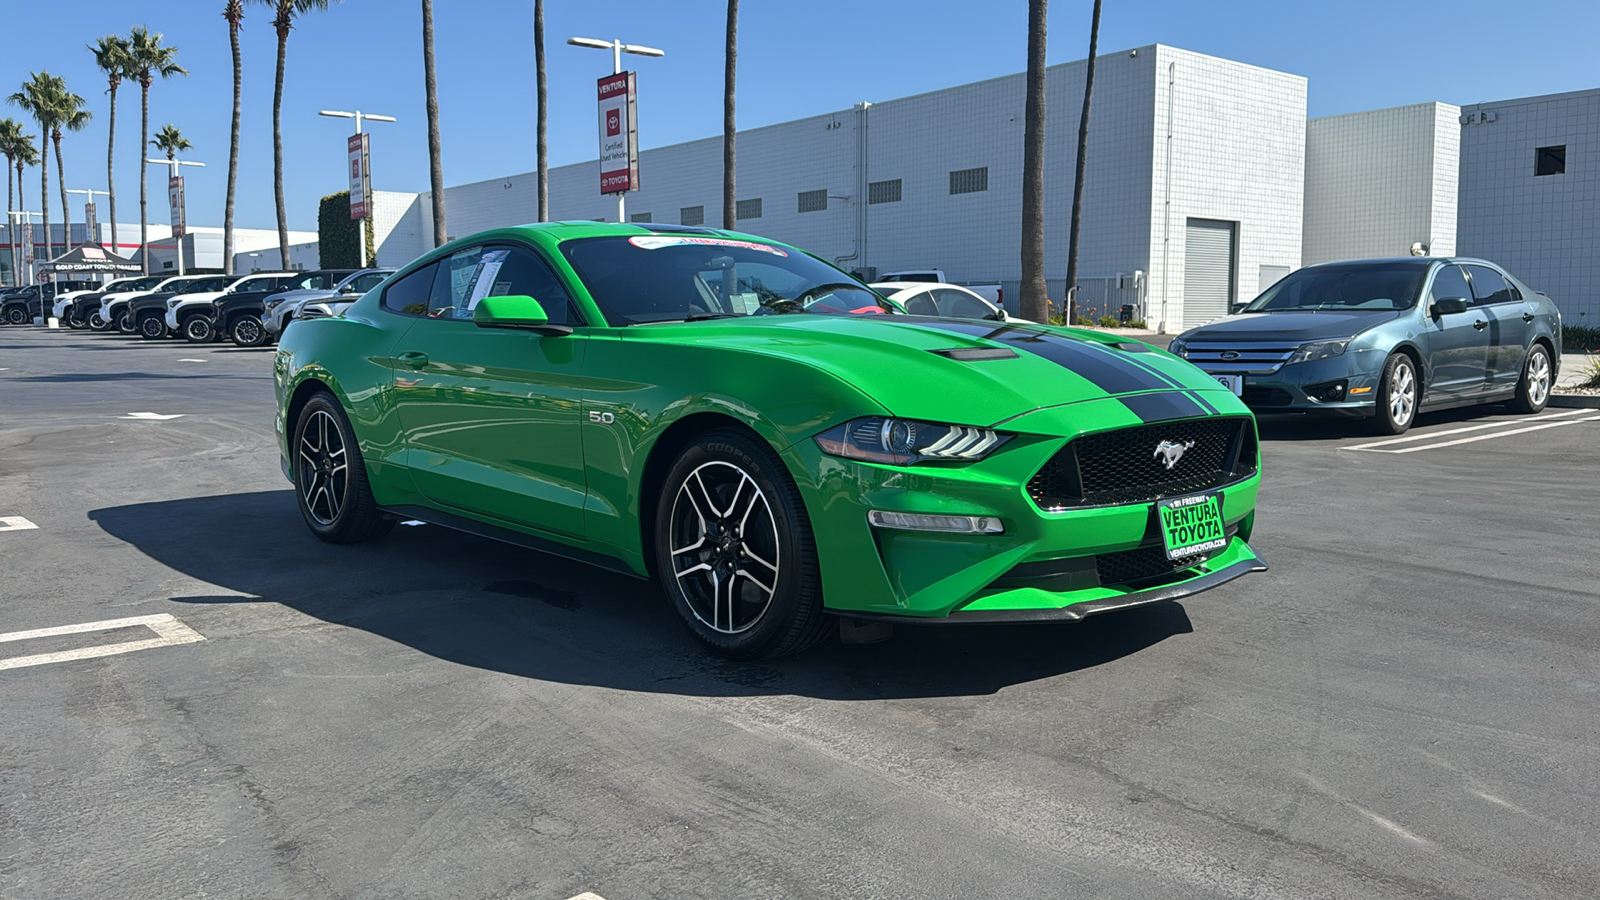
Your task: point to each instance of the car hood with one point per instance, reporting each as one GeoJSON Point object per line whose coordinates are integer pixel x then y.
{"type": "Point", "coordinates": [307, 294]}
{"type": "Point", "coordinates": [963, 370]}
{"type": "Point", "coordinates": [1290, 327]}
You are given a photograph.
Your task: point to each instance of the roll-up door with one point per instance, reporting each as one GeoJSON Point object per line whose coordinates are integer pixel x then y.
{"type": "Point", "coordinates": [1207, 270]}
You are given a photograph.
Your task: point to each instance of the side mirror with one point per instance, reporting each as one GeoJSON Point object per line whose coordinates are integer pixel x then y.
{"type": "Point", "coordinates": [1238, 307]}
{"type": "Point", "coordinates": [515, 311]}
{"type": "Point", "coordinates": [1447, 305]}
{"type": "Point", "coordinates": [347, 289]}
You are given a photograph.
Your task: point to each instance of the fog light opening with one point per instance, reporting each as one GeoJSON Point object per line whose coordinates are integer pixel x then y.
{"type": "Point", "coordinates": [927, 522]}
{"type": "Point", "coordinates": [1328, 392]}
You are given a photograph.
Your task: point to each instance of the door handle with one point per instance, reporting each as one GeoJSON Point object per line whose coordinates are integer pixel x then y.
{"type": "Point", "coordinates": [1527, 317]}
{"type": "Point", "coordinates": [414, 359]}
{"type": "Point", "coordinates": [1479, 324]}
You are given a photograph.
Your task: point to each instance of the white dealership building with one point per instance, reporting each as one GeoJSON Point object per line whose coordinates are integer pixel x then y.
{"type": "Point", "coordinates": [1205, 183]}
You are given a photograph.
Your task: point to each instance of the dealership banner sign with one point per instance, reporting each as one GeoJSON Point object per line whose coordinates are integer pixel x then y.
{"type": "Point", "coordinates": [27, 243]}
{"type": "Point", "coordinates": [175, 200]}
{"type": "Point", "coordinates": [91, 226]}
{"type": "Point", "coordinates": [619, 133]}
{"type": "Point", "coordinates": [360, 157]}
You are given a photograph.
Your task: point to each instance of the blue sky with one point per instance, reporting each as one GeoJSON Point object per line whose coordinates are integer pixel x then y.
{"type": "Point", "coordinates": [796, 59]}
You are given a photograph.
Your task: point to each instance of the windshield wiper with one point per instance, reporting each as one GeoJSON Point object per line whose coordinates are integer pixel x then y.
{"type": "Point", "coordinates": [701, 317]}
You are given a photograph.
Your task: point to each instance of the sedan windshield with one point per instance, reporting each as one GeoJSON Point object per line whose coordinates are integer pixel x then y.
{"type": "Point", "coordinates": [684, 278]}
{"type": "Point", "coordinates": [1345, 288]}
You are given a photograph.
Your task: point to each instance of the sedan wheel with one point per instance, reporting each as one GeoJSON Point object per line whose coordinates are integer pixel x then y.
{"type": "Point", "coordinates": [734, 552]}
{"type": "Point", "coordinates": [1398, 392]}
{"type": "Point", "coordinates": [330, 479]}
{"type": "Point", "coordinates": [1533, 390]}
{"type": "Point", "coordinates": [198, 330]}
{"type": "Point", "coordinates": [247, 331]}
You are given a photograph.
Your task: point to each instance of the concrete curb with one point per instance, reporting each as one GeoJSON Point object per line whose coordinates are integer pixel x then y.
{"type": "Point", "coordinates": [1576, 401]}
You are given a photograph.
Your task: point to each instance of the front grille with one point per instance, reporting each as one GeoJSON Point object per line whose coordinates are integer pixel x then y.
{"type": "Point", "coordinates": [1124, 466]}
{"type": "Point", "coordinates": [1131, 567]}
{"type": "Point", "coordinates": [1242, 357]}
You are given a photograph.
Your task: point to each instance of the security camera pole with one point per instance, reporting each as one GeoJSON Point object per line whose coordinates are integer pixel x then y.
{"type": "Point", "coordinates": [619, 121]}
{"type": "Point", "coordinates": [175, 199]}
{"type": "Point", "coordinates": [360, 156]}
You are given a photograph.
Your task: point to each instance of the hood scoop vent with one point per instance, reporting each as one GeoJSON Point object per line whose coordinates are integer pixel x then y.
{"type": "Point", "coordinates": [976, 354]}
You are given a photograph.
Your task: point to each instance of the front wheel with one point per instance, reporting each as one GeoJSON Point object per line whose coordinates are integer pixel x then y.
{"type": "Point", "coordinates": [125, 323]}
{"type": "Point", "coordinates": [198, 330]}
{"type": "Point", "coordinates": [1533, 390]}
{"type": "Point", "coordinates": [1398, 392]}
{"type": "Point", "coordinates": [151, 327]}
{"type": "Point", "coordinates": [74, 318]}
{"type": "Point", "coordinates": [16, 315]}
{"type": "Point", "coordinates": [330, 479]}
{"type": "Point", "coordinates": [247, 331]}
{"type": "Point", "coordinates": [98, 322]}
{"type": "Point", "coordinates": [734, 551]}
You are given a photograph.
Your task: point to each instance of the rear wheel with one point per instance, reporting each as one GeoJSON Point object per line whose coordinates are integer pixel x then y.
{"type": "Point", "coordinates": [16, 315]}
{"type": "Point", "coordinates": [198, 330]}
{"type": "Point", "coordinates": [330, 479]}
{"type": "Point", "coordinates": [734, 551]}
{"type": "Point", "coordinates": [151, 327]}
{"type": "Point", "coordinates": [125, 323]}
{"type": "Point", "coordinates": [1398, 392]}
{"type": "Point", "coordinates": [247, 331]}
{"type": "Point", "coordinates": [1533, 390]}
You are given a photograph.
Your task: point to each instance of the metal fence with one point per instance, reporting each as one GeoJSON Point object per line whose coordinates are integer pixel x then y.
{"type": "Point", "coordinates": [1120, 296]}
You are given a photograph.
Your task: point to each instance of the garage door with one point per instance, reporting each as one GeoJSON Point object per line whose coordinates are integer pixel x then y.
{"type": "Point", "coordinates": [1207, 270]}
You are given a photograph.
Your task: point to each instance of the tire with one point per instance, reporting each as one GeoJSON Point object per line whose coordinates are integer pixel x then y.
{"type": "Point", "coordinates": [198, 330]}
{"type": "Point", "coordinates": [1533, 389]}
{"type": "Point", "coordinates": [97, 322]}
{"type": "Point", "coordinates": [74, 318]}
{"type": "Point", "coordinates": [151, 327]}
{"type": "Point", "coordinates": [125, 323]}
{"type": "Point", "coordinates": [247, 331]}
{"type": "Point", "coordinates": [1399, 390]}
{"type": "Point", "coordinates": [16, 315]}
{"type": "Point", "coordinates": [759, 548]}
{"type": "Point", "coordinates": [330, 480]}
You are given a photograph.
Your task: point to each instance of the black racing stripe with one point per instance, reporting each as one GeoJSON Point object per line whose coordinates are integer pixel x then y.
{"type": "Point", "coordinates": [1163, 406]}
{"type": "Point", "coordinates": [1201, 399]}
{"type": "Point", "coordinates": [1105, 369]}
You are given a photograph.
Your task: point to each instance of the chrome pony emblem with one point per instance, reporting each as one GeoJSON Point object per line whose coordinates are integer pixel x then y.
{"type": "Point", "coordinates": [1171, 451]}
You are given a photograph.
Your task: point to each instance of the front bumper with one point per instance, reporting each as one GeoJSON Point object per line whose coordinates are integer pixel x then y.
{"type": "Point", "coordinates": [1346, 384]}
{"type": "Point", "coordinates": [872, 572]}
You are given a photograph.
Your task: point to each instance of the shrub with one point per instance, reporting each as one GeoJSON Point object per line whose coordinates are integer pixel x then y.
{"type": "Point", "coordinates": [1110, 322]}
{"type": "Point", "coordinates": [338, 242]}
{"type": "Point", "coordinates": [1580, 339]}
{"type": "Point", "coordinates": [1589, 374]}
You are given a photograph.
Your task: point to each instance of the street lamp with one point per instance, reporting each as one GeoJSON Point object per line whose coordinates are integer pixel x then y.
{"type": "Point", "coordinates": [617, 48]}
{"type": "Point", "coordinates": [91, 229]}
{"type": "Point", "coordinates": [358, 115]}
{"type": "Point", "coordinates": [178, 227]}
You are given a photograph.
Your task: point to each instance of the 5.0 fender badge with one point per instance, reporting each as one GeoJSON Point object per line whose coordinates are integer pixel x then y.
{"type": "Point", "coordinates": [1172, 451]}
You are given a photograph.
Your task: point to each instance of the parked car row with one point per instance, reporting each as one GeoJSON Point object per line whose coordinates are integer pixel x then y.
{"type": "Point", "coordinates": [250, 310]}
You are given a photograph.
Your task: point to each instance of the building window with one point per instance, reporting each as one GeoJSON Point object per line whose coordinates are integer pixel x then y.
{"type": "Point", "coordinates": [1550, 160]}
{"type": "Point", "coordinates": [748, 209]}
{"type": "Point", "coordinates": [884, 191]}
{"type": "Point", "coordinates": [813, 201]}
{"type": "Point", "coordinates": [969, 181]}
{"type": "Point", "coordinates": [639, 217]}
{"type": "Point", "coordinates": [692, 215]}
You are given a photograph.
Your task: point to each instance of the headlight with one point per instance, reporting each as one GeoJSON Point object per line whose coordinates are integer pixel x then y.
{"type": "Point", "coordinates": [1179, 348]}
{"type": "Point", "coordinates": [173, 303]}
{"type": "Point", "coordinates": [902, 442]}
{"type": "Point", "coordinates": [1318, 350]}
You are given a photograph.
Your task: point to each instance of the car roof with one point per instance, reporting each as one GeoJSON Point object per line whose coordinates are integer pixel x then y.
{"type": "Point", "coordinates": [895, 286]}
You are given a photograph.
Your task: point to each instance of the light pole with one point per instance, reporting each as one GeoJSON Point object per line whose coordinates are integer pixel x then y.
{"type": "Point", "coordinates": [617, 48]}
{"type": "Point", "coordinates": [93, 233]}
{"type": "Point", "coordinates": [366, 177]}
{"type": "Point", "coordinates": [177, 227]}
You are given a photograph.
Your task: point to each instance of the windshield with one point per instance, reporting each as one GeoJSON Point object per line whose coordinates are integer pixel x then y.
{"type": "Point", "coordinates": [1371, 286]}
{"type": "Point", "coordinates": [204, 285]}
{"type": "Point", "coordinates": [677, 278]}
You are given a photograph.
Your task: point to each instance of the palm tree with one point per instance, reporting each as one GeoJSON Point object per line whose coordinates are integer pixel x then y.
{"type": "Point", "coordinates": [1035, 300]}
{"type": "Point", "coordinates": [11, 139]}
{"type": "Point", "coordinates": [39, 99]}
{"type": "Point", "coordinates": [1077, 179]}
{"type": "Point", "coordinates": [283, 20]}
{"type": "Point", "coordinates": [540, 145]}
{"type": "Point", "coordinates": [431, 88]}
{"type": "Point", "coordinates": [147, 59]}
{"type": "Point", "coordinates": [234, 13]}
{"type": "Point", "coordinates": [111, 55]}
{"type": "Point", "coordinates": [730, 65]}
{"type": "Point", "coordinates": [70, 115]}
{"type": "Point", "coordinates": [23, 153]}
{"type": "Point", "coordinates": [170, 140]}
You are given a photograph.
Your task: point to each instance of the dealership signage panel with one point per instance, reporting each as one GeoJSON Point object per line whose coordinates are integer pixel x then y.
{"type": "Point", "coordinates": [619, 133]}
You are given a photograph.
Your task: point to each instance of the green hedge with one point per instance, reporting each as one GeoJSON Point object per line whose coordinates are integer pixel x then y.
{"type": "Point", "coordinates": [1580, 339]}
{"type": "Point", "coordinates": [337, 240]}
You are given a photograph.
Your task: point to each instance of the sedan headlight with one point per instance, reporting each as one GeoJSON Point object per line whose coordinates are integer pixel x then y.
{"type": "Point", "coordinates": [1318, 350]}
{"type": "Point", "coordinates": [902, 442]}
{"type": "Point", "coordinates": [1178, 348]}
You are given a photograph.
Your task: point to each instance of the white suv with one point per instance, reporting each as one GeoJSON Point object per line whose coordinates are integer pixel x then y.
{"type": "Point", "coordinates": [193, 311]}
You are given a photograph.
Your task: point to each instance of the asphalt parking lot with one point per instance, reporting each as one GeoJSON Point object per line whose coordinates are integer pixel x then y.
{"type": "Point", "coordinates": [1406, 705]}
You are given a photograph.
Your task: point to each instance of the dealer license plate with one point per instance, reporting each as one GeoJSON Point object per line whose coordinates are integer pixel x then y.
{"type": "Point", "coordinates": [1233, 383]}
{"type": "Point", "coordinates": [1192, 526]}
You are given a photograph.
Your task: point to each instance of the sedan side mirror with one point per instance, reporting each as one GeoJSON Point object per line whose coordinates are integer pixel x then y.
{"type": "Point", "coordinates": [515, 311]}
{"type": "Point", "coordinates": [1447, 305]}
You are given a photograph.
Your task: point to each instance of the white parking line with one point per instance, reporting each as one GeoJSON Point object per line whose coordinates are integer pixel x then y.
{"type": "Point", "coordinates": [191, 360]}
{"type": "Point", "coordinates": [170, 631]}
{"type": "Point", "coordinates": [587, 895]}
{"type": "Point", "coordinates": [15, 523]}
{"type": "Point", "coordinates": [1438, 434]}
{"type": "Point", "coordinates": [151, 417]}
{"type": "Point", "coordinates": [1488, 437]}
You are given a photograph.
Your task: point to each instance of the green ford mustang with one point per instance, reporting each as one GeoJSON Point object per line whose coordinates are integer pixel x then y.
{"type": "Point", "coordinates": [767, 437]}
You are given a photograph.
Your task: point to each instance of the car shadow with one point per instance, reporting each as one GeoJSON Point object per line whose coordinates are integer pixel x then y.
{"type": "Point", "coordinates": [481, 603]}
{"type": "Point", "coordinates": [1308, 427]}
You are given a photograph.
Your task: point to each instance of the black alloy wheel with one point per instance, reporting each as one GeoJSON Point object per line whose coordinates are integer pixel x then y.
{"type": "Point", "coordinates": [734, 551]}
{"type": "Point", "coordinates": [16, 315]}
{"type": "Point", "coordinates": [74, 317]}
{"type": "Point", "coordinates": [125, 323]}
{"type": "Point", "coordinates": [329, 477]}
{"type": "Point", "coordinates": [198, 330]}
{"type": "Point", "coordinates": [98, 322]}
{"type": "Point", "coordinates": [247, 331]}
{"type": "Point", "coordinates": [151, 327]}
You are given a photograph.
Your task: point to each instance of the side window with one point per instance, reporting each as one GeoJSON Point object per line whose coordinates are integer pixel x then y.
{"type": "Point", "coordinates": [467, 276]}
{"type": "Point", "coordinates": [961, 305]}
{"type": "Point", "coordinates": [369, 281]}
{"type": "Point", "coordinates": [1488, 287]}
{"type": "Point", "coordinates": [1450, 282]}
{"type": "Point", "coordinates": [410, 295]}
{"type": "Point", "coordinates": [523, 273]}
{"type": "Point", "coordinates": [920, 304]}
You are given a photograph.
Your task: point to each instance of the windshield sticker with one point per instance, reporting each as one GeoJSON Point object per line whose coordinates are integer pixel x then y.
{"type": "Point", "coordinates": [658, 241]}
